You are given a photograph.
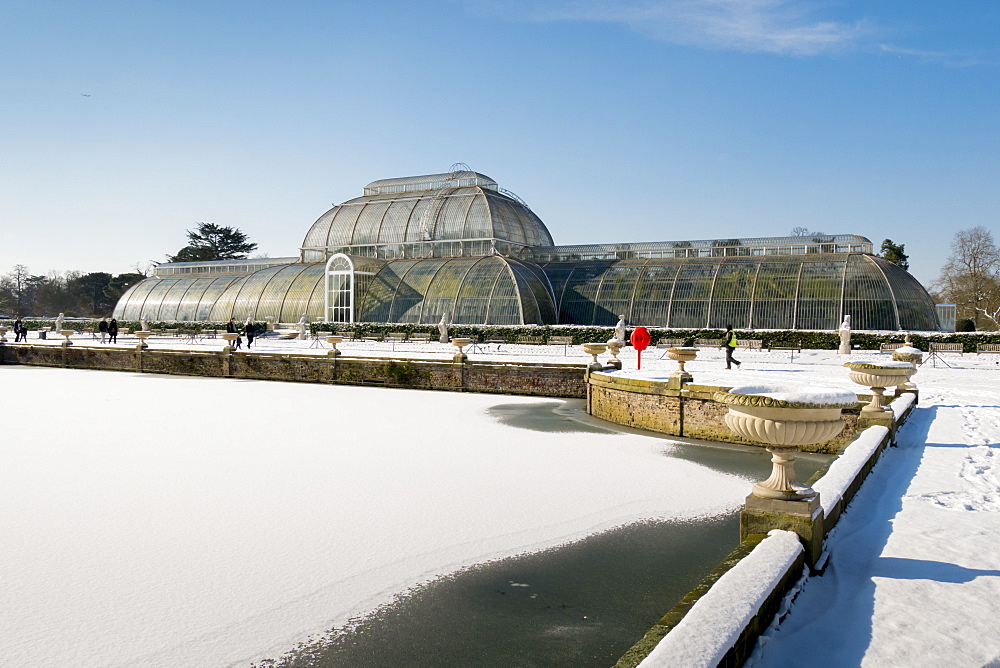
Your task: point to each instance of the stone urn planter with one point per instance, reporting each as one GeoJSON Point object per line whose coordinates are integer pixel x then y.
{"type": "Point", "coordinates": [784, 419]}
{"type": "Point", "coordinates": [460, 343]}
{"type": "Point", "coordinates": [614, 347]}
{"type": "Point", "coordinates": [682, 355]}
{"type": "Point", "coordinates": [912, 355]}
{"type": "Point", "coordinates": [142, 335]}
{"type": "Point", "coordinates": [878, 377]}
{"type": "Point", "coordinates": [333, 341]}
{"type": "Point", "coordinates": [595, 349]}
{"type": "Point", "coordinates": [67, 333]}
{"type": "Point", "coordinates": [3, 335]}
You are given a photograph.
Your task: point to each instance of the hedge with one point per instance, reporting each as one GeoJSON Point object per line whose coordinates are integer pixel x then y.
{"type": "Point", "coordinates": [815, 340]}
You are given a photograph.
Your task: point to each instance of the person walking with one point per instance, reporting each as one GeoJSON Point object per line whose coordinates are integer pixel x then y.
{"type": "Point", "coordinates": [250, 329]}
{"type": "Point", "coordinates": [102, 327]}
{"type": "Point", "coordinates": [20, 331]}
{"type": "Point", "coordinates": [231, 328]}
{"type": "Point", "coordinates": [113, 331]}
{"type": "Point", "coordinates": [729, 343]}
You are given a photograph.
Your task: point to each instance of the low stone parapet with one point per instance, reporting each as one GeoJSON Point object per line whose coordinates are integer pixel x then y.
{"type": "Point", "coordinates": [717, 624]}
{"type": "Point", "coordinates": [523, 378]}
{"type": "Point", "coordinates": [687, 409]}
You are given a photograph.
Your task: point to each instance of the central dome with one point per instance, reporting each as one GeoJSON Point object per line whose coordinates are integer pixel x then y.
{"type": "Point", "coordinates": [458, 214]}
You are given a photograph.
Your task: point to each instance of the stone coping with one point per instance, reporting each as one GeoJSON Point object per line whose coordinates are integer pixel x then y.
{"type": "Point", "coordinates": [764, 401]}
{"type": "Point", "coordinates": [882, 366]}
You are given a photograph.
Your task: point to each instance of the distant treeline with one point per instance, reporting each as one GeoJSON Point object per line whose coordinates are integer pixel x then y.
{"type": "Point", "coordinates": [71, 293]}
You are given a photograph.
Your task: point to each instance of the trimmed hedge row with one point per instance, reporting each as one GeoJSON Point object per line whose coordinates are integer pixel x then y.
{"type": "Point", "coordinates": [815, 340]}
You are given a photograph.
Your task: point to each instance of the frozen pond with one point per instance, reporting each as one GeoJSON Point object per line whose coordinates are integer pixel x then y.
{"type": "Point", "coordinates": [164, 521]}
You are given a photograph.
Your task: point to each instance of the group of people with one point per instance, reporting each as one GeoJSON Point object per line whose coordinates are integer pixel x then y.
{"type": "Point", "coordinates": [20, 331]}
{"type": "Point", "coordinates": [108, 330]}
{"type": "Point", "coordinates": [250, 329]}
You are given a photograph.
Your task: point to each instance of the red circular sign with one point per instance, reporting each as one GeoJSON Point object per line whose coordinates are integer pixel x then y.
{"type": "Point", "coordinates": [640, 338]}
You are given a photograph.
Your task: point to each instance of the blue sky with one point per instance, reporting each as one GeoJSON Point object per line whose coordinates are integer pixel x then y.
{"type": "Point", "coordinates": [125, 123]}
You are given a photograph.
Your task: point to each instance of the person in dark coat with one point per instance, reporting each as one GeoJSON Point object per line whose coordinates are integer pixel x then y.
{"type": "Point", "coordinates": [102, 327]}
{"type": "Point", "coordinates": [20, 331]}
{"type": "Point", "coordinates": [250, 329]}
{"type": "Point", "coordinates": [231, 328]}
{"type": "Point", "coordinates": [113, 331]}
{"type": "Point", "coordinates": [729, 343]}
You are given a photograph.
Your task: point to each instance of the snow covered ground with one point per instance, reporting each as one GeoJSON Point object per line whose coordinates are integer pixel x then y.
{"type": "Point", "coordinates": [914, 570]}
{"type": "Point", "coordinates": [161, 521]}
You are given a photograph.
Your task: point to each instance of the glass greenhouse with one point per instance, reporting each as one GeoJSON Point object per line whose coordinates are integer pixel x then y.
{"type": "Point", "coordinates": [414, 249]}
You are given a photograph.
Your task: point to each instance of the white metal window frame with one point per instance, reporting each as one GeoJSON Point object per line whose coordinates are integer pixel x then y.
{"type": "Point", "coordinates": [328, 279]}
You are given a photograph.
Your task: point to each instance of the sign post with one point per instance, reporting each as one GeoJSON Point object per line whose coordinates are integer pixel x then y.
{"type": "Point", "coordinates": [640, 341]}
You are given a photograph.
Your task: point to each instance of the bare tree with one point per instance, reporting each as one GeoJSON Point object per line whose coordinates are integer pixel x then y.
{"type": "Point", "coordinates": [971, 276]}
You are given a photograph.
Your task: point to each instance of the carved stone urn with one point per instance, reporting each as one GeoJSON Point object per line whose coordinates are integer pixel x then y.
{"type": "Point", "coordinates": [595, 349]}
{"type": "Point", "coordinates": [878, 377]}
{"type": "Point", "coordinates": [3, 334]}
{"type": "Point", "coordinates": [682, 355]}
{"type": "Point", "coordinates": [785, 420]}
{"type": "Point", "coordinates": [460, 342]}
{"type": "Point", "coordinates": [67, 333]}
{"type": "Point", "coordinates": [614, 347]}
{"type": "Point", "coordinates": [912, 355]}
{"type": "Point", "coordinates": [142, 335]}
{"type": "Point", "coordinates": [333, 341]}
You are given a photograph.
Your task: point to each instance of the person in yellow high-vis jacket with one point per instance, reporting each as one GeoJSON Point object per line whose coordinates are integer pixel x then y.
{"type": "Point", "coordinates": [729, 343]}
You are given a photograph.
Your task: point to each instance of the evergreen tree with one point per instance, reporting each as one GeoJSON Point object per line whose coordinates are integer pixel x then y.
{"type": "Point", "coordinates": [88, 291]}
{"type": "Point", "coordinates": [214, 242]}
{"type": "Point", "coordinates": [894, 253]}
{"type": "Point", "coordinates": [117, 286]}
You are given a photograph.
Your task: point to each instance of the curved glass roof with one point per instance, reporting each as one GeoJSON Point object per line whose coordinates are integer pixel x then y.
{"type": "Point", "coordinates": [779, 292]}
{"type": "Point", "coordinates": [456, 179]}
{"type": "Point", "coordinates": [488, 290]}
{"type": "Point", "coordinates": [423, 217]}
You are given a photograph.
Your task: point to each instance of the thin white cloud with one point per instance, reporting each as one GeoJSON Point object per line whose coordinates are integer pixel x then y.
{"type": "Point", "coordinates": [942, 57]}
{"type": "Point", "coordinates": [761, 26]}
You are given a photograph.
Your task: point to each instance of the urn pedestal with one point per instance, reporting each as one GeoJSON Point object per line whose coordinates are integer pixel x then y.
{"type": "Point", "coordinates": [878, 377]}
{"type": "Point", "coordinates": [681, 355]}
{"type": "Point", "coordinates": [333, 341]}
{"type": "Point", "coordinates": [614, 347]}
{"type": "Point", "coordinates": [783, 421]}
{"type": "Point", "coordinates": [595, 349]}
{"type": "Point", "coordinates": [915, 357]}
{"type": "Point", "coordinates": [460, 343]}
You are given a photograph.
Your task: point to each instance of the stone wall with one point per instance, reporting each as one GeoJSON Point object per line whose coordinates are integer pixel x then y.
{"type": "Point", "coordinates": [533, 379]}
{"type": "Point", "coordinates": [689, 411]}
{"type": "Point", "coordinates": [870, 443]}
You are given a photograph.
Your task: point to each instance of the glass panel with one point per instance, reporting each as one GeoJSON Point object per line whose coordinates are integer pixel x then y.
{"type": "Point", "coordinates": [451, 220]}
{"type": "Point", "coordinates": [577, 303]}
{"type": "Point", "coordinates": [819, 295]}
{"type": "Point", "coordinates": [136, 299]}
{"type": "Point", "coordinates": [652, 298]}
{"type": "Point", "coordinates": [867, 297]}
{"type": "Point", "coordinates": [615, 296]}
{"type": "Point", "coordinates": [394, 223]}
{"type": "Point", "coordinates": [406, 304]}
{"type": "Point", "coordinates": [731, 296]}
{"type": "Point", "coordinates": [375, 303]}
{"type": "Point", "coordinates": [317, 234]}
{"type": "Point", "coordinates": [690, 302]}
{"type": "Point", "coordinates": [151, 307]}
{"type": "Point", "coordinates": [369, 222]}
{"type": "Point", "coordinates": [774, 295]}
